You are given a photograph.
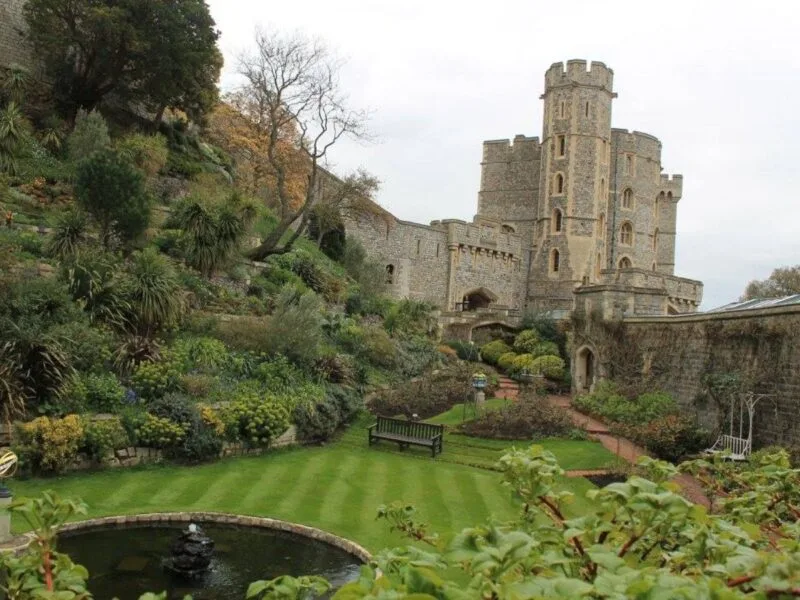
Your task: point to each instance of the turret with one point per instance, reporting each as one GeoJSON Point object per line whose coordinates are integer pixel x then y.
{"type": "Point", "coordinates": [575, 168]}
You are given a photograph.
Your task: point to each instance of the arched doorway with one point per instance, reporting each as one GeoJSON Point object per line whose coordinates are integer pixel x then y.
{"type": "Point", "coordinates": [585, 369]}
{"type": "Point", "coordinates": [478, 298]}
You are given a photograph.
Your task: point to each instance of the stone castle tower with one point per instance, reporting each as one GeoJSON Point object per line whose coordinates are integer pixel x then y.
{"type": "Point", "coordinates": [584, 210]}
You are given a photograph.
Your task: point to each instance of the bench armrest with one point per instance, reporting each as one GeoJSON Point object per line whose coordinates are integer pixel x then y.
{"type": "Point", "coordinates": [371, 427]}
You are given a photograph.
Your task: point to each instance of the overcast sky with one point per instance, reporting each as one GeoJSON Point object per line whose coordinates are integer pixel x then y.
{"type": "Point", "coordinates": [716, 82]}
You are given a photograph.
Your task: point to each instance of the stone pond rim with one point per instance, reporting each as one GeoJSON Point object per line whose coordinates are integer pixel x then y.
{"type": "Point", "coordinates": [173, 518]}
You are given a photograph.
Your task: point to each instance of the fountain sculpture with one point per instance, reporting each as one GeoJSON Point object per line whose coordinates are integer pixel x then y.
{"type": "Point", "coordinates": [191, 553]}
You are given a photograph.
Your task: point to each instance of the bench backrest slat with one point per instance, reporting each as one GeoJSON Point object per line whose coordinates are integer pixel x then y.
{"type": "Point", "coordinates": [414, 429]}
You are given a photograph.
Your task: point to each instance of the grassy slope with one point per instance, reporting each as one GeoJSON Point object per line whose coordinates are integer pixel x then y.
{"type": "Point", "coordinates": [336, 487]}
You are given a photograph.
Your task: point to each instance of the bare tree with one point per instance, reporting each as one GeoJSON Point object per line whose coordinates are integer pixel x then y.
{"type": "Point", "coordinates": [348, 199]}
{"type": "Point", "coordinates": [293, 98]}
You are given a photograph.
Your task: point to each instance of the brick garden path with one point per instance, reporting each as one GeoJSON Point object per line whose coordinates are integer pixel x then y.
{"type": "Point", "coordinates": [625, 449]}
{"type": "Point", "coordinates": [508, 388]}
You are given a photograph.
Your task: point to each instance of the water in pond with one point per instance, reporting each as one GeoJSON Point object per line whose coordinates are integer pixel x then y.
{"type": "Point", "coordinates": [125, 562]}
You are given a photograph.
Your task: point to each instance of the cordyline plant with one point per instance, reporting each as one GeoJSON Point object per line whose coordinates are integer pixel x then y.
{"type": "Point", "coordinates": [638, 539]}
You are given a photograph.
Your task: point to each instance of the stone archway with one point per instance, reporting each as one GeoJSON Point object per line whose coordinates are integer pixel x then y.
{"type": "Point", "coordinates": [478, 298]}
{"type": "Point", "coordinates": [585, 369]}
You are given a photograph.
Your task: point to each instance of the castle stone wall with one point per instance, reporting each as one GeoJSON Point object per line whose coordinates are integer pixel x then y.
{"type": "Point", "coordinates": [13, 47]}
{"type": "Point", "coordinates": [761, 345]}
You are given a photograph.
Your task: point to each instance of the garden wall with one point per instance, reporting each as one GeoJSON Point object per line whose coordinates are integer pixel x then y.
{"type": "Point", "coordinates": [679, 353]}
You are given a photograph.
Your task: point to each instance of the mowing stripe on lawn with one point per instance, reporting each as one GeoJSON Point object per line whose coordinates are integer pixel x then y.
{"type": "Point", "coordinates": [341, 480]}
{"type": "Point", "coordinates": [238, 484]}
{"type": "Point", "coordinates": [306, 490]}
{"type": "Point", "coordinates": [364, 500]}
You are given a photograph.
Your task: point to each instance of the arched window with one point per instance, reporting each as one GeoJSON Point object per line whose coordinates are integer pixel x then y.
{"type": "Point", "coordinates": [597, 266]}
{"type": "Point", "coordinates": [669, 196]}
{"type": "Point", "coordinates": [558, 220]}
{"type": "Point", "coordinates": [628, 164]}
{"type": "Point", "coordinates": [626, 234]}
{"type": "Point", "coordinates": [559, 183]}
{"type": "Point", "coordinates": [625, 263]}
{"type": "Point", "coordinates": [561, 145]}
{"type": "Point", "coordinates": [601, 226]}
{"type": "Point", "coordinates": [507, 229]}
{"type": "Point", "coordinates": [627, 198]}
{"type": "Point", "coordinates": [555, 261]}
{"type": "Point", "coordinates": [654, 266]}
{"type": "Point", "coordinates": [655, 240]}
{"type": "Point", "coordinates": [390, 274]}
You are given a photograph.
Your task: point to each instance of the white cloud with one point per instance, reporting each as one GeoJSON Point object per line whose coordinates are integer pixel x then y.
{"type": "Point", "coordinates": [715, 81]}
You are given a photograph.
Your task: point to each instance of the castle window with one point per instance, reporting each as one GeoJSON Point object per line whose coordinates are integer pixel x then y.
{"type": "Point", "coordinates": [654, 266]}
{"type": "Point", "coordinates": [603, 194]}
{"type": "Point", "coordinates": [555, 261]}
{"type": "Point", "coordinates": [557, 220]}
{"type": "Point", "coordinates": [389, 274]}
{"type": "Point", "coordinates": [507, 229]}
{"type": "Point", "coordinates": [561, 143]}
{"type": "Point", "coordinates": [655, 240]}
{"type": "Point", "coordinates": [597, 266]}
{"type": "Point", "coordinates": [601, 226]}
{"type": "Point", "coordinates": [559, 183]}
{"type": "Point", "coordinates": [628, 164]}
{"type": "Point", "coordinates": [627, 198]}
{"type": "Point", "coordinates": [669, 196]}
{"type": "Point", "coordinates": [626, 234]}
{"type": "Point", "coordinates": [587, 108]}
{"type": "Point", "coordinates": [419, 244]}
{"type": "Point", "coordinates": [625, 263]}
{"type": "Point", "coordinates": [562, 111]}
{"type": "Point", "coordinates": [437, 250]}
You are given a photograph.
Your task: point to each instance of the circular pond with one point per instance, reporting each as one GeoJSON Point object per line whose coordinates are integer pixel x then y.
{"type": "Point", "coordinates": [126, 561]}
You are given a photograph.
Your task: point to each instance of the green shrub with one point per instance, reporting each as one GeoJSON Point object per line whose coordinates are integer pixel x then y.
{"type": "Point", "coordinates": [90, 348]}
{"type": "Point", "coordinates": [607, 403]}
{"type": "Point", "coordinates": [202, 443]}
{"type": "Point", "coordinates": [50, 445]}
{"type": "Point", "coordinates": [90, 135]}
{"type": "Point", "coordinates": [104, 393]}
{"type": "Point", "coordinates": [101, 438]}
{"type": "Point", "coordinates": [552, 367]}
{"type": "Point", "coordinates": [256, 420]}
{"type": "Point", "coordinates": [371, 343]}
{"type": "Point", "coordinates": [112, 191]}
{"type": "Point", "coordinates": [526, 341]}
{"type": "Point", "coordinates": [410, 318]}
{"type": "Point", "coordinates": [522, 363]}
{"type": "Point", "coordinates": [201, 355]}
{"type": "Point", "coordinates": [416, 355]}
{"type": "Point", "coordinates": [152, 380]}
{"type": "Point", "coordinates": [491, 352]}
{"type": "Point", "coordinates": [175, 407]}
{"type": "Point", "coordinates": [506, 361]}
{"type": "Point", "coordinates": [157, 432]}
{"type": "Point", "coordinates": [527, 418]}
{"type": "Point", "coordinates": [429, 395]}
{"type": "Point", "coordinates": [147, 152]}
{"type": "Point", "coordinates": [545, 348]}
{"type": "Point", "coordinates": [465, 350]}
{"type": "Point", "coordinates": [669, 437]}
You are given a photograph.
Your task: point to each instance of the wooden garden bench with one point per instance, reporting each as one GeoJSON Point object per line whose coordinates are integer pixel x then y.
{"type": "Point", "coordinates": [407, 433]}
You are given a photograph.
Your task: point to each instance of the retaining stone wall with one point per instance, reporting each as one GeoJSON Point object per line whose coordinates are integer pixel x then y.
{"type": "Point", "coordinates": [680, 351]}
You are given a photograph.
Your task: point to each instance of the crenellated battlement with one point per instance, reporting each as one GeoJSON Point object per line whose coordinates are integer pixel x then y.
{"type": "Point", "coordinates": [579, 72]}
{"type": "Point", "coordinates": [522, 148]}
{"type": "Point", "coordinates": [636, 142]}
{"type": "Point", "coordinates": [672, 184]}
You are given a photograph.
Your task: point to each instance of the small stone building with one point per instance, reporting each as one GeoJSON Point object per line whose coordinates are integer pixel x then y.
{"type": "Point", "coordinates": [584, 209]}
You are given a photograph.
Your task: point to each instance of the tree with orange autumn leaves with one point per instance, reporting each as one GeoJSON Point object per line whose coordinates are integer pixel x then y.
{"type": "Point", "coordinates": [281, 125]}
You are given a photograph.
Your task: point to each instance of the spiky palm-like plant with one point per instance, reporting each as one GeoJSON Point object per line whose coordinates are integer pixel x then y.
{"type": "Point", "coordinates": [153, 292]}
{"type": "Point", "coordinates": [13, 131]}
{"type": "Point", "coordinates": [69, 235]}
{"type": "Point", "coordinates": [213, 232]}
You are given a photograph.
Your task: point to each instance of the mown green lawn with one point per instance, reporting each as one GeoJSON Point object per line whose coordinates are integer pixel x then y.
{"type": "Point", "coordinates": [335, 487]}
